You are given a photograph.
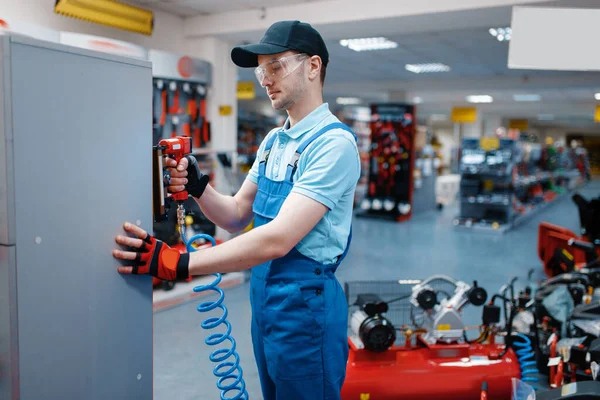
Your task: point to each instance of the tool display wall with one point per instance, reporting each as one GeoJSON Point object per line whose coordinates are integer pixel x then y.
{"type": "Point", "coordinates": [391, 162]}
{"type": "Point", "coordinates": [502, 186]}
{"type": "Point", "coordinates": [180, 85]}
{"type": "Point", "coordinates": [179, 109]}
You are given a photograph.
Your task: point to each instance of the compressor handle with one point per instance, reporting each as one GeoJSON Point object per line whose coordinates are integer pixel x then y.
{"type": "Point", "coordinates": [585, 246]}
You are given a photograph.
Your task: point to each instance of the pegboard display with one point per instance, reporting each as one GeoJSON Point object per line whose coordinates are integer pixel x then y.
{"type": "Point", "coordinates": [179, 109]}
{"type": "Point", "coordinates": [391, 162]}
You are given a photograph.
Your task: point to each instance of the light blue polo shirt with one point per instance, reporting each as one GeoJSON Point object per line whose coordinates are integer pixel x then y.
{"type": "Point", "coordinates": [328, 171]}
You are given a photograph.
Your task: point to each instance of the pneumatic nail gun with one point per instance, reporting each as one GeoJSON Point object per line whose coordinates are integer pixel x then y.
{"type": "Point", "coordinates": [176, 148]}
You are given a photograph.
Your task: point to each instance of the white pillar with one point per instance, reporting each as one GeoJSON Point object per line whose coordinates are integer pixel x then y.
{"type": "Point", "coordinates": [222, 92]}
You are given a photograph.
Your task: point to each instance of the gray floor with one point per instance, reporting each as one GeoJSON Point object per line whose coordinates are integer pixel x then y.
{"type": "Point", "coordinates": [381, 250]}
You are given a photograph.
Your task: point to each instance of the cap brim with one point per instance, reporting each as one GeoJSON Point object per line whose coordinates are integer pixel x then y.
{"type": "Point", "coordinates": [247, 56]}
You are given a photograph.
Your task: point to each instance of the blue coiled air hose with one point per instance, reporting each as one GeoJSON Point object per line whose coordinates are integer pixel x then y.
{"type": "Point", "coordinates": [223, 370]}
{"type": "Point", "coordinates": [526, 357]}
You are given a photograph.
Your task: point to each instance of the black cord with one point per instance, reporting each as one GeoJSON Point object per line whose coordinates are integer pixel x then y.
{"type": "Point", "coordinates": [508, 332]}
{"type": "Point", "coordinates": [506, 300]}
{"type": "Point", "coordinates": [399, 298]}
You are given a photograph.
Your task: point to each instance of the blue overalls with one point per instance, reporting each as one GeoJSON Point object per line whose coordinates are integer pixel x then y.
{"type": "Point", "coordinates": [299, 310]}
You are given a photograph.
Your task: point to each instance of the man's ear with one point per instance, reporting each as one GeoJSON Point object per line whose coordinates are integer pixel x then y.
{"type": "Point", "coordinates": [315, 68]}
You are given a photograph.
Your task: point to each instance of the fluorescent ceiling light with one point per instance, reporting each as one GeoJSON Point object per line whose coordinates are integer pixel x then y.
{"type": "Point", "coordinates": [366, 44]}
{"type": "Point", "coordinates": [480, 99]}
{"type": "Point", "coordinates": [502, 34]}
{"type": "Point", "coordinates": [426, 68]}
{"type": "Point", "coordinates": [348, 100]}
{"type": "Point", "coordinates": [417, 100]}
{"type": "Point", "coordinates": [527, 97]}
{"type": "Point", "coordinates": [597, 96]}
{"type": "Point", "coordinates": [545, 117]}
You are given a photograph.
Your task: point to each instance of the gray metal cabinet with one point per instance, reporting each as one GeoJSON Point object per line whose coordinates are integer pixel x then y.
{"type": "Point", "coordinates": [75, 163]}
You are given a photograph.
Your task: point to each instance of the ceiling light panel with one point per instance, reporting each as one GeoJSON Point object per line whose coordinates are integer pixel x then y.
{"type": "Point", "coordinates": [501, 34]}
{"type": "Point", "coordinates": [527, 97]}
{"type": "Point", "coordinates": [368, 44]}
{"type": "Point", "coordinates": [480, 99]}
{"type": "Point", "coordinates": [597, 96]}
{"type": "Point", "coordinates": [348, 100]}
{"type": "Point", "coordinates": [427, 68]}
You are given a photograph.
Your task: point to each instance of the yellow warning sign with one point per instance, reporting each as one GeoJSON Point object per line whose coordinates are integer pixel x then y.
{"type": "Point", "coordinates": [225, 110]}
{"type": "Point", "coordinates": [365, 396]}
{"type": "Point", "coordinates": [444, 327]}
{"type": "Point", "coordinates": [464, 114]}
{"type": "Point", "coordinates": [520, 124]}
{"type": "Point", "coordinates": [597, 114]}
{"type": "Point", "coordinates": [245, 90]}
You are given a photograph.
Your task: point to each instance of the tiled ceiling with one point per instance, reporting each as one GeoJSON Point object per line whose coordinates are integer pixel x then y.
{"type": "Point", "coordinates": [478, 66]}
{"type": "Point", "coordinates": [190, 8]}
{"type": "Point", "coordinates": [472, 53]}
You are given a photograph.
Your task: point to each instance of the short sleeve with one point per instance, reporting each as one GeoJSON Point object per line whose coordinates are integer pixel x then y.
{"type": "Point", "coordinates": [329, 169]}
{"type": "Point", "coordinates": [253, 173]}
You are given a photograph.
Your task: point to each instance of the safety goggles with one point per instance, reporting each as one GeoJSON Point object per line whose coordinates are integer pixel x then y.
{"type": "Point", "coordinates": [278, 69]}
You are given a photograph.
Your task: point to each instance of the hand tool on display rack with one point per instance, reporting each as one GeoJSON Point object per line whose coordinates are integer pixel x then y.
{"type": "Point", "coordinates": [200, 125]}
{"type": "Point", "coordinates": [173, 98]}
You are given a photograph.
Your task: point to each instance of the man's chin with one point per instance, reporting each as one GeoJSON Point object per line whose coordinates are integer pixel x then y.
{"type": "Point", "coordinates": [278, 104]}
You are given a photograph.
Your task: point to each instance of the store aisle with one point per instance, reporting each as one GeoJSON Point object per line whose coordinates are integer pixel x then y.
{"type": "Point", "coordinates": [381, 250]}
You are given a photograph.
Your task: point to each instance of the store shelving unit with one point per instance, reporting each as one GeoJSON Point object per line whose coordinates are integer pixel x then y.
{"type": "Point", "coordinates": [503, 187]}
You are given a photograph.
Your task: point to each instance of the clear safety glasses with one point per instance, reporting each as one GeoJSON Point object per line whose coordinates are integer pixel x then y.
{"type": "Point", "coordinates": [275, 70]}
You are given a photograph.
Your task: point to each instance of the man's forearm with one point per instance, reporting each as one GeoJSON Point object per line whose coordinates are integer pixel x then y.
{"type": "Point", "coordinates": [255, 247]}
{"type": "Point", "coordinates": [222, 210]}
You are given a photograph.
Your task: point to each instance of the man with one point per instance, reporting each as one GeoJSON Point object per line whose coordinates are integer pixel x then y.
{"type": "Point", "coordinates": [300, 192]}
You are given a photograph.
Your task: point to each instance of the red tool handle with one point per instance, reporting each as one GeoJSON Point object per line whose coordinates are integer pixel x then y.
{"type": "Point", "coordinates": [163, 115]}
{"type": "Point", "coordinates": [197, 137]}
{"type": "Point", "coordinates": [174, 107]}
{"type": "Point", "coordinates": [193, 109]}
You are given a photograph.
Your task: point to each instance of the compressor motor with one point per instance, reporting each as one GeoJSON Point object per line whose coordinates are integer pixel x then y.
{"type": "Point", "coordinates": [370, 325]}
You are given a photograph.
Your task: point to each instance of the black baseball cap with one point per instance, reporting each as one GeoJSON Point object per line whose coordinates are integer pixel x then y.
{"type": "Point", "coordinates": [282, 36]}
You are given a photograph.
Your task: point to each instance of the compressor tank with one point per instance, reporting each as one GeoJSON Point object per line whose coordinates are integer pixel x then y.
{"type": "Point", "coordinates": [424, 371]}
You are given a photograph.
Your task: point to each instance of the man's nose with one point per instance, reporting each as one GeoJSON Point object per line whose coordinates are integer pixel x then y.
{"type": "Point", "coordinates": [265, 81]}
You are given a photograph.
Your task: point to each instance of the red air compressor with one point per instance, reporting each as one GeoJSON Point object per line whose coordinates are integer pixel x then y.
{"type": "Point", "coordinates": [432, 357]}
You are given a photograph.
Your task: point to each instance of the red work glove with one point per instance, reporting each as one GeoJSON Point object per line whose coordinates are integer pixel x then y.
{"type": "Point", "coordinates": [151, 256]}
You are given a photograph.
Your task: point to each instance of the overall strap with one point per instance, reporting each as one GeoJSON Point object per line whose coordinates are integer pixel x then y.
{"type": "Point", "coordinates": [293, 165]}
{"type": "Point", "coordinates": [262, 166]}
